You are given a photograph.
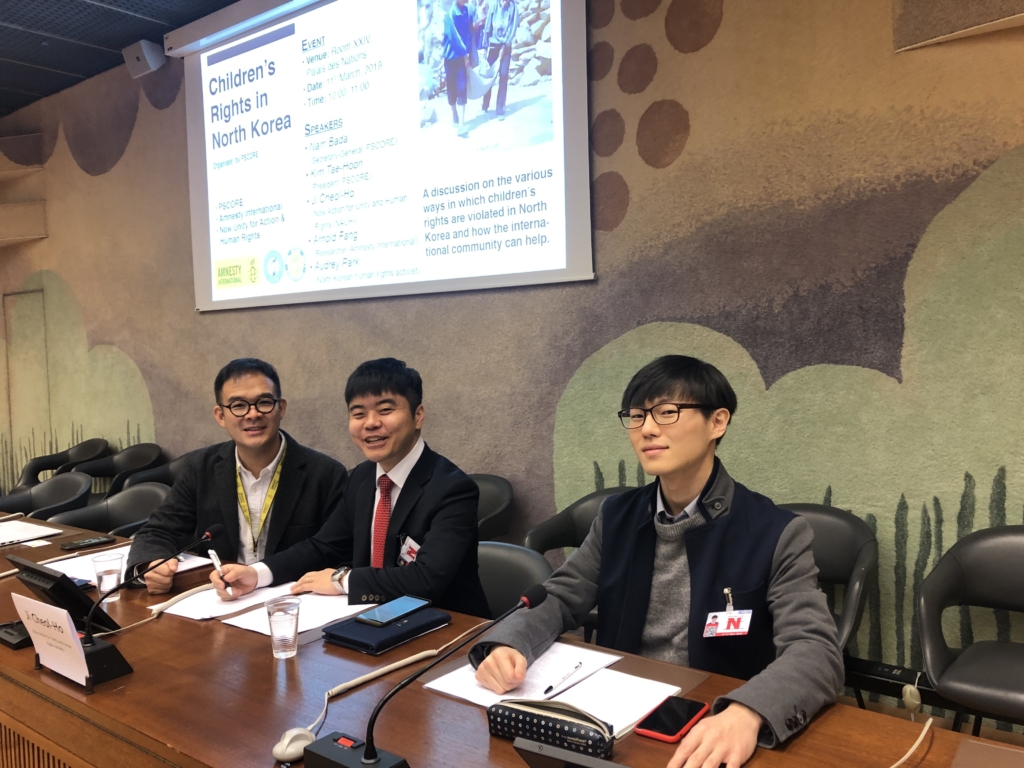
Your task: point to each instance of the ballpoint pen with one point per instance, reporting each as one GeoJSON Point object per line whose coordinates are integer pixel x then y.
{"type": "Point", "coordinates": [568, 674]}
{"type": "Point", "coordinates": [220, 569]}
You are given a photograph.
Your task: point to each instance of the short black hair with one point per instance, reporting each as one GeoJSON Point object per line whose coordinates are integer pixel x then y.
{"type": "Point", "coordinates": [375, 377]}
{"type": "Point", "coordinates": [684, 378]}
{"type": "Point", "coordinates": [242, 367]}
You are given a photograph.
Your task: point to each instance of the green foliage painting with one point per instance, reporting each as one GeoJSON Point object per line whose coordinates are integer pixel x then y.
{"type": "Point", "coordinates": [919, 458]}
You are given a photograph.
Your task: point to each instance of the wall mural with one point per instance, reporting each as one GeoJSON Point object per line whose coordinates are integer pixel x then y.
{"type": "Point", "coordinates": [953, 416]}
{"type": "Point", "coordinates": [61, 392]}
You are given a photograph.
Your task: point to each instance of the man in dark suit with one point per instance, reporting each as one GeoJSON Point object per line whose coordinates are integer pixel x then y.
{"type": "Point", "coordinates": [267, 491]}
{"type": "Point", "coordinates": [408, 521]}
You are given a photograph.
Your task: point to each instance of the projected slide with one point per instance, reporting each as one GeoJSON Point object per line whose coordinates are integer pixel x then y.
{"type": "Point", "coordinates": [380, 144]}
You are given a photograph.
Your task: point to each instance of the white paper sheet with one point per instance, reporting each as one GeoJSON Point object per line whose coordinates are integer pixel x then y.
{"type": "Point", "coordinates": [207, 605]}
{"type": "Point", "coordinates": [17, 531]}
{"type": "Point", "coordinates": [617, 698]}
{"type": "Point", "coordinates": [548, 670]}
{"type": "Point", "coordinates": [81, 567]}
{"type": "Point", "coordinates": [314, 611]}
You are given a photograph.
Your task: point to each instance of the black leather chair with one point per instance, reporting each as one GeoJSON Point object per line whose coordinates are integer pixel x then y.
{"type": "Point", "coordinates": [121, 515]}
{"type": "Point", "coordinates": [506, 570]}
{"type": "Point", "coordinates": [58, 494]}
{"type": "Point", "coordinates": [845, 551]}
{"type": "Point", "coordinates": [62, 462]}
{"type": "Point", "coordinates": [165, 473]}
{"type": "Point", "coordinates": [983, 569]}
{"type": "Point", "coordinates": [568, 529]}
{"type": "Point", "coordinates": [494, 512]}
{"type": "Point", "coordinates": [122, 465]}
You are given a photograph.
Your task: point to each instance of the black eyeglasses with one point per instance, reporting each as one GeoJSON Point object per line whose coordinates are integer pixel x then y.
{"type": "Point", "coordinates": [662, 413]}
{"type": "Point", "coordinates": [240, 408]}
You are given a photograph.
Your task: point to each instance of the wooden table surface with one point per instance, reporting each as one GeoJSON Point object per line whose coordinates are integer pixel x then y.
{"type": "Point", "coordinates": [207, 694]}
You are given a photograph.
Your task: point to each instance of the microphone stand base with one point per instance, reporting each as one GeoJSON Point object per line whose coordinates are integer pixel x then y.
{"type": "Point", "coordinates": [328, 753]}
{"type": "Point", "coordinates": [105, 663]}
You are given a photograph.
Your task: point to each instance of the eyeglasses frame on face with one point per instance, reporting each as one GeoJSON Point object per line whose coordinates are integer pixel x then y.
{"type": "Point", "coordinates": [229, 407]}
{"type": "Point", "coordinates": [624, 414]}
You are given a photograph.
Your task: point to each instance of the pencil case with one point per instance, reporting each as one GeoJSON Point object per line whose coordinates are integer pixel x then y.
{"type": "Point", "coordinates": [552, 722]}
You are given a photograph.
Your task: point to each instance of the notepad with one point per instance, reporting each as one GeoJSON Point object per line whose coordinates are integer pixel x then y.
{"type": "Point", "coordinates": [208, 605]}
{"type": "Point", "coordinates": [548, 670]}
{"type": "Point", "coordinates": [617, 698]}
{"type": "Point", "coordinates": [314, 611]}
{"type": "Point", "coordinates": [81, 566]}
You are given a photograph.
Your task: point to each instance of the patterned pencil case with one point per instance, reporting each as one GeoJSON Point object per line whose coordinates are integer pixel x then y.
{"type": "Point", "coordinates": [552, 722]}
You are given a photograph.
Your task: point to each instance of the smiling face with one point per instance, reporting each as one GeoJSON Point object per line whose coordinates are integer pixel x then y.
{"type": "Point", "coordinates": [255, 433]}
{"type": "Point", "coordinates": [384, 427]}
{"type": "Point", "coordinates": [680, 450]}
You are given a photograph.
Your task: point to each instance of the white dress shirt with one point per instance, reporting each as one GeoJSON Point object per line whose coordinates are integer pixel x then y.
{"type": "Point", "coordinates": [255, 489]}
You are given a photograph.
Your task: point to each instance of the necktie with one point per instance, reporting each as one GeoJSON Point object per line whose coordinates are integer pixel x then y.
{"type": "Point", "coordinates": [380, 522]}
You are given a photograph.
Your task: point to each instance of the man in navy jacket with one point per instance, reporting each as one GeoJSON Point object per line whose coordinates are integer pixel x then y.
{"type": "Point", "coordinates": [662, 560]}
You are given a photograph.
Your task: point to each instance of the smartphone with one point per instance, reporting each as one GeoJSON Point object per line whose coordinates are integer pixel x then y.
{"type": "Point", "coordinates": [71, 546]}
{"type": "Point", "coordinates": [391, 611]}
{"type": "Point", "coordinates": [672, 719]}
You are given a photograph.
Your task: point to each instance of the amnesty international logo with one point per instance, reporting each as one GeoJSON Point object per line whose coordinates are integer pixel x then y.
{"type": "Point", "coordinates": [273, 266]}
{"type": "Point", "coordinates": [254, 274]}
{"type": "Point", "coordinates": [296, 264]}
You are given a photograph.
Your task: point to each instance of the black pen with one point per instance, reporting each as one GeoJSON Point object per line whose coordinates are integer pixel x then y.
{"type": "Point", "coordinates": [569, 674]}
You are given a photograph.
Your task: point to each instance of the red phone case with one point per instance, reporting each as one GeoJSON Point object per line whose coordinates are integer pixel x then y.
{"type": "Point", "coordinates": [671, 738]}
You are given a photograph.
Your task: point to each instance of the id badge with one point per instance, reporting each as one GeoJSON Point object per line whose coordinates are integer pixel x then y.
{"type": "Point", "coordinates": [728, 623]}
{"type": "Point", "coordinates": [408, 552]}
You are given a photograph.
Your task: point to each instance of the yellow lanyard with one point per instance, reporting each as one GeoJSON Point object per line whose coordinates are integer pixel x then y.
{"type": "Point", "coordinates": [268, 500]}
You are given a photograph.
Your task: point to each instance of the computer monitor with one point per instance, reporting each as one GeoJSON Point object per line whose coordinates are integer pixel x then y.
{"type": "Point", "coordinates": [57, 589]}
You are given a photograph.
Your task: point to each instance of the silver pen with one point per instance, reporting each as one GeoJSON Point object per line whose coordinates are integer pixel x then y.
{"type": "Point", "coordinates": [569, 674]}
{"type": "Point", "coordinates": [220, 569]}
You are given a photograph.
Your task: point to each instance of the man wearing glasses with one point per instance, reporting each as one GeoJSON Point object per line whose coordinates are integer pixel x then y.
{"type": "Point", "coordinates": [693, 569]}
{"type": "Point", "coordinates": [268, 491]}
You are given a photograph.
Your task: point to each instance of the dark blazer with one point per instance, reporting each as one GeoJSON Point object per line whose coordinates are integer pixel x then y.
{"type": "Point", "coordinates": [205, 493]}
{"type": "Point", "coordinates": [437, 507]}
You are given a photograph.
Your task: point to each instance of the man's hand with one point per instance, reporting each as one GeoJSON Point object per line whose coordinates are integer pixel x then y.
{"type": "Point", "coordinates": [316, 581]}
{"type": "Point", "coordinates": [241, 578]}
{"type": "Point", "coordinates": [502, 670]}
{"type": "Point", "coordinates": [159, 580]}
{"type": "Point", "coordinates": [728, 737]}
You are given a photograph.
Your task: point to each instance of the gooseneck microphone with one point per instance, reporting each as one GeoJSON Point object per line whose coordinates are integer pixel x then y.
{"type": "Point", "coordinates": [531, 598]}
{"type": "Point", "coordinates": [104, 661]}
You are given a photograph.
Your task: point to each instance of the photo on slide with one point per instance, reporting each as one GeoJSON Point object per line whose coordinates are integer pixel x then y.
{"type": "Point", "coordinates": [485, 73]}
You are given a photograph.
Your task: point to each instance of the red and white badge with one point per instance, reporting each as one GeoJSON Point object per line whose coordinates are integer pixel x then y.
{"type": "Point", "coordinates": [728, 623]}
{"type": "Point", "coordinates": [409, 551]}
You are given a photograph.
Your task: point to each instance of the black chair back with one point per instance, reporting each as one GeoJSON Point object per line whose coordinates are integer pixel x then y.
{"type": "Point", "coordinates": [130, 507]}
{"type": "Point", "coordinates": [58, 494]}
{"type": "Point", "coordinates": [124, 464]}
{"type": "Point", "coordinates": [62, 462]}
{"type": "Point", "coordinates": [494, 511]}
{"type": "Point", "coordinates": [506, 570]}
{"type": "Point", "coordinates": [165, 473]}
{"type": "Point", "coordinates": [570, 526]}
{"type": "Point", "coordinates": [845, 551]}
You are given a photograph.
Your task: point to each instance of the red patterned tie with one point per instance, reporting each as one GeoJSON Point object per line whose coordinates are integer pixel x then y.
{"type": "Point", "coordinates": [380, 522]}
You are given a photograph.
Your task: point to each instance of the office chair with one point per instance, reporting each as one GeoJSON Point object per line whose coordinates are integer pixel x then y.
{"type": "Point", "coordinates": [122, 465]}
{"type": "Point", "coordinates": [165, 473]}
{"type": "Point", "coordinates": [983, 569]}
{"type": "Point", "coordinates": [121, 515]}
{"type": "Point", "coordinates": [58, 494]}
{"type": "Point", "coordinates": [568, 529]}
{"type": "Point", "coordinates": [62, 462]}
{"type": "Point", "coordinates": [506, 570]}
{"type": "Point", "coordinates": [845, 551]}
{"type": "Point", "coordinates": [494, 511]}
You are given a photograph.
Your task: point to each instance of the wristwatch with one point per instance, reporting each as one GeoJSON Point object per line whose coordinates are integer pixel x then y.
{"type": "Point", "coordinates": [337, 578]}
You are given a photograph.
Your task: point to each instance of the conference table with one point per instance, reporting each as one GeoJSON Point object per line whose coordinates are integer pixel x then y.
{"type": "Point", "coordinates": [207, 694]}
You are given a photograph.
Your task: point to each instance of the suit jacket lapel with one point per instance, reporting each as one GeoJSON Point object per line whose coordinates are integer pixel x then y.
{"type": "Point", "coordinates": [293, 477]}
{"type": "Point", "coordinates": [227, 495]}
{"type": "Point", "coordinates": [410, 494]}
{"type": "Point", "coordinates": [362, 520]}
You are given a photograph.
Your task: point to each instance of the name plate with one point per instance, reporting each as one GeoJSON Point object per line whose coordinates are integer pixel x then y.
{"type": "Point", "coordinates": [54, 635]}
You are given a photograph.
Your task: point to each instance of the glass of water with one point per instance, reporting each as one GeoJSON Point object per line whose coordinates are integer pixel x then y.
{"type": "Point", "coordinates": [108, 574]}
{"type": "Point", "coordinates": [283, 613]}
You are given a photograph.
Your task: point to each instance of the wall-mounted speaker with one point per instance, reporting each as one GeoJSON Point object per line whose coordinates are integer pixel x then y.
{"type": "Point", "coordinates": [143, 57]}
